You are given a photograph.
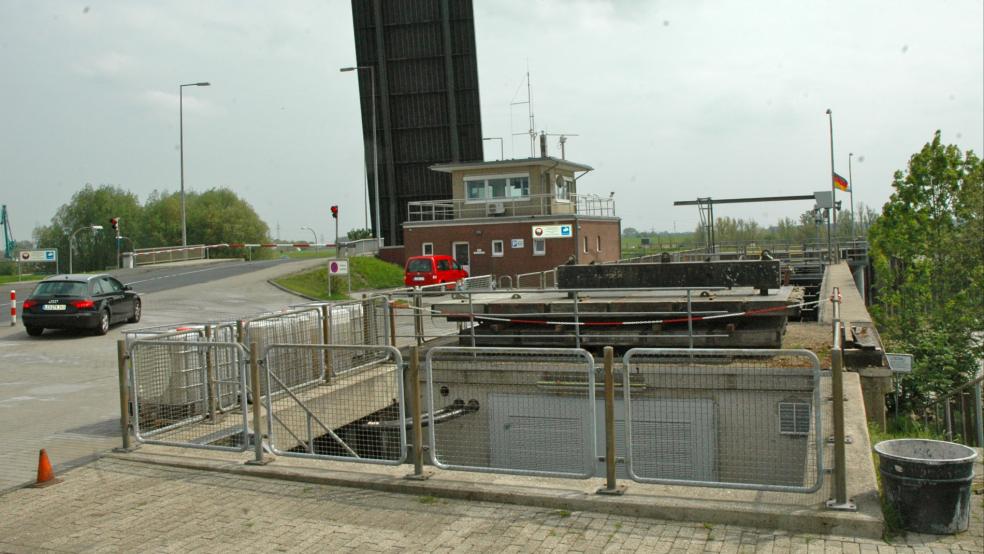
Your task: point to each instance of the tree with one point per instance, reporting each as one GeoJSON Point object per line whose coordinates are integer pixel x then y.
{"type": "Point", "coordinates": [358, 234]}
{"type": "Point", "coordinates": [929, 267]}
{"type": "Point", "coordinates": [91, 206]}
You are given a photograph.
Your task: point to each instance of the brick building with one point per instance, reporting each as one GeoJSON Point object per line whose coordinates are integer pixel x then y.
{"type": "Point", "coordinates": [514, 216]}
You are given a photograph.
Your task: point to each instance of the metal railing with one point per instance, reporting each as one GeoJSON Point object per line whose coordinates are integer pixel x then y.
{"type": "Point", "coordinates": [523, 411]}
{"type": "Point", "coordinates": [172, 387]}
{"type": "Point", "coordinates": [532, 205]}
{"type": "Point", "coordinates": [358, 416]}
{"type": "Point", "coordinates": [361, 247]}
{"type": "Point", "coordinates": [146, 256]}
{"type": "Point", "coordinates": [740, 419]}
{"type": "Point", "coordinates": [959, 414]}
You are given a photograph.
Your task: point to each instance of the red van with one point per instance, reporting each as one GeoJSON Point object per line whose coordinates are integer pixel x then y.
{"type": "Point", "coordinates": [431, 270]}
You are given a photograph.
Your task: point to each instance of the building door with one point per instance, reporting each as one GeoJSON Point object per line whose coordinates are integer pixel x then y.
{"type": "Point", "coordinates": [461, 252]}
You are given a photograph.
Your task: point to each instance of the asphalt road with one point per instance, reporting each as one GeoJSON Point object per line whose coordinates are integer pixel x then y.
{"type": "Point", "coordinates": [60, 392]}
{"type": "Point", "coordinates": [154, 278]}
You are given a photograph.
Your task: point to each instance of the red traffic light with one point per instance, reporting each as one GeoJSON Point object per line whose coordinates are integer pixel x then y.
{"type": "Point", "coordinates": [115, 222]}
{"type": "Point", "coordinates": [334, 212]}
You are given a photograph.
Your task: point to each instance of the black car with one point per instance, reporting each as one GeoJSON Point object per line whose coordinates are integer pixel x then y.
{"type": "Point", "coordinates": [79, 302]}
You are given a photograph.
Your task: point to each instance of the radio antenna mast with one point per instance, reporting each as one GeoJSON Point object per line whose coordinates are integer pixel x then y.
{"type": "Point", "coordinates": [531, 133]}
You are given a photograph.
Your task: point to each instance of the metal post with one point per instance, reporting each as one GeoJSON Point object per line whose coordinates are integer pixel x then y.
{"type": "Point", "coordinates": [391, 313]}
{"type": "Point", "coordinates": [690, 318]}
{"type": "Point", "coordinates": [840, 500]}
{"type": "Point", "coordinates": [577, 325]}
{"type": "Point", "coordinates": [949, 419]}
{"type": "Point", "coordinates": [210, 395]}
{"type": "Point", "coordinates": [471, 319]}
{"type": "Point", "coordinates": [326, 338]}
{"type": "Point", "coordinates": [611, 460]}
{"type": "Point", "coordinates": [416, 416]}
{"type": "Point", "coordinates": [418, 316]}
{"type": "Point", "coordinates": [121, 360]}
{"type": "Point", "coordinates": [979, 416]}
{"type": "Point", "coordinates": [254, 375]}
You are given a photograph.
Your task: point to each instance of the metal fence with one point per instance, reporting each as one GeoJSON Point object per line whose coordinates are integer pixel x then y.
{"type": "Point", "coordinates": [189, 393]}
{"type": "Point", "coordinates": [512, 410]}
{"type": "Point", "coordinates": [358, 415]}
{"type": "Point", "coordinates": [146, 256]}
{"type": "Point", "coordinates": [744, 419]}
{"type": "Point", "coordinates": [959, 414]}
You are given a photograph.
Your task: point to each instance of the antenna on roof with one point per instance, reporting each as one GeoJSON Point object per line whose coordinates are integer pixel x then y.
{"type": "Point", "coordinates": [529, 110]}
{"type": "Point", "coordinates": [563, 141]}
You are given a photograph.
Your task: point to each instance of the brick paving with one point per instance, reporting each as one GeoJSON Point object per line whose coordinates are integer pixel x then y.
{"type": "Point", "coordinates": [114, 505]}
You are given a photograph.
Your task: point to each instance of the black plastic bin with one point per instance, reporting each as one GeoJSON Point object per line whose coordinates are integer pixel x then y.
{"type": "Point", "coordinates": [927, 483]}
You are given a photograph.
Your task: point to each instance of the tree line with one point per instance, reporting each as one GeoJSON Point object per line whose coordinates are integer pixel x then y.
{"type": "Point", "coordinates": [214, 216]}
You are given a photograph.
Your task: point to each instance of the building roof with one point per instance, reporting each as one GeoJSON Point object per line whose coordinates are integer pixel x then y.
{"type": "Point", "coordinates": [521, 162]}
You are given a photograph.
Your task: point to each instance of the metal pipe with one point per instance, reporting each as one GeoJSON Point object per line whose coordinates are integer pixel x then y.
{"type": "Point", "coordinates": [209, 375]}
{"type": "Point", "coordinates": [610, 459]}
{"type": "Point", "coordinates": [254, 373]}
{"type": "Point", "coordinates": [418, 433]}
{"type": "Point", "coordinates": [121, 359]}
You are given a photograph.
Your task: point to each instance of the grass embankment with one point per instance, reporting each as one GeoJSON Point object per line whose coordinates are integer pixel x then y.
{"type": "Point", "coordinates": [368, 274]}
{"type": "Point", "coordinates": [25, 277]}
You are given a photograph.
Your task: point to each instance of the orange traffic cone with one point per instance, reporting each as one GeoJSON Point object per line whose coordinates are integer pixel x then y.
{"type": "Point", "coordinates": [46, 475]}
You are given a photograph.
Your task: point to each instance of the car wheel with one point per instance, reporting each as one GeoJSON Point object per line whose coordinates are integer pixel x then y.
{"type": "Point", "coordinates": [103, 326]}
{"type": "Point", "coordinates": [35, 331]}
{"type": "Point", "coordinates": [136, 312]}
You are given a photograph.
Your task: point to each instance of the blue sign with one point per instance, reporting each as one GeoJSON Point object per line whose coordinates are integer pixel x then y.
{"type": "Point", "coordinates": [565, 230]}
{"type": "Point", "coordinates": [49, 255]}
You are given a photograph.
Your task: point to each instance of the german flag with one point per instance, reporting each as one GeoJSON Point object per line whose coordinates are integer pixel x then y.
{"type": "Point", "coordinates": [841, 183]}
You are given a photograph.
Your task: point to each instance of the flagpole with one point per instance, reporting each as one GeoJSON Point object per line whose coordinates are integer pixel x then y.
{"type": "Point", "coordinates": [850, 184]}
{"type": "Point", "coordinates": [833, 189]}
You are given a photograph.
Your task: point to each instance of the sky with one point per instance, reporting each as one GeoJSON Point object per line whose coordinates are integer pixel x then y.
{"type": "Point", "coordinates": [668, 100]}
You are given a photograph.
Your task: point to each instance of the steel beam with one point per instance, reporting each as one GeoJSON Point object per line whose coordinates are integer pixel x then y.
{"type": "Point", "coordinates": [761, 274]}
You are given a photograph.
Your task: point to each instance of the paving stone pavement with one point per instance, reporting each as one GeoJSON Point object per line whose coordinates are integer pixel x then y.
{"type": "Point", "coordinates": [113, 505]}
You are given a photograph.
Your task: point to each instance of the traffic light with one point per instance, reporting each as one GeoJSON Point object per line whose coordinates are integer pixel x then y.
{"type": "Point", "coordinates": [334, 212]}
{"type": "Point", "coordinates": [115, 222]}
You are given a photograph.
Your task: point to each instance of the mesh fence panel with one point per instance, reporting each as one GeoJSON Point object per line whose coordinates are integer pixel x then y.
{"type": "Point", "coordinates": [170, 384]}
{"type": "Point", "coordinates": [300, 326]}
{"type": "Point", "coordinates": [356, 416]}
{"type": "Point", "coordinates": [727, 418]}
{"type": "Point", "coordinates": [512, 410]}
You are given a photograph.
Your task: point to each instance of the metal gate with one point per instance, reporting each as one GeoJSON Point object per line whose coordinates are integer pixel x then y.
{"type": "Point", "coordinates": [189, 393]}
{"type": "Point", "coordinates": [523, 411]}
{"type": "Point", "coordinates": [354, 412]}
{"type": "Point", "coordinates": [742, 419]}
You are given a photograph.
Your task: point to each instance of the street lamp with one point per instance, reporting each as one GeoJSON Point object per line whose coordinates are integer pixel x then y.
{"type": "Point", "coordinates": [184, 228]}
{"type": "Point", "coordinates": [315, 243]}
{"type": "Point", "coordinates": [71, 240]}
{"type": "Point", "coordinates": [375, 143]}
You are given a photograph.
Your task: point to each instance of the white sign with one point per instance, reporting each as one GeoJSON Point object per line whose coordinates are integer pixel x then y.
{"type": "Point", "coordinates": [49, 255]}
{"type": "Point", "coordinates": [518, 243]}
{"type": "Point", "coordinates": [899, 363]}
{"type": "Point", "coordinates": [338, 267]}
{"type": "Point", "coordinates": [553, 231]}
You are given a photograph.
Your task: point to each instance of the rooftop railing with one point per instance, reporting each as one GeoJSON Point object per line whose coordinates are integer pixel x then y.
{"type": "Point", "coordinates": [534, 205]}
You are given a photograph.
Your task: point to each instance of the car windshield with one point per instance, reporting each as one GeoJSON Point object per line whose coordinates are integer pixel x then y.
{"type": "Point", "coordinates": [419, 265]}
{"type": "Point", "coordinates": [61, 288]}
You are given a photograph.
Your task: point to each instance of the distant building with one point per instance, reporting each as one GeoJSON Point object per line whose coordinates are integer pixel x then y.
{"type": "Point", "coordinates": [514, 216]}
{"type": "Point", "coordinates": [423, 57]}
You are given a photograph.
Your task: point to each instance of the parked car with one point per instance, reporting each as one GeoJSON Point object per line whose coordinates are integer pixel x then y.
{"type": "Point", "coordinates": [79, 302]}
{"type": "Point", "coordinates": [432, 270]}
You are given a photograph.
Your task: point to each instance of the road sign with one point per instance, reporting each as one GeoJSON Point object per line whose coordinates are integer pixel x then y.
{"type": "Point", "coordinates": [338, 267]}
{"type": "Point", "coordinates": [49, 255]}
{"type": "Point", "coordinates": [553, 231]}
{"type": "Point", "coordinates": [899, 363]}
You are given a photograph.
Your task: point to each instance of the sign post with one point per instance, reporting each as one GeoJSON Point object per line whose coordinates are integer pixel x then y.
{"type": "Point", "coordinates": [338, 267]}
{"type": "Point", "coordinates": [48, 255]}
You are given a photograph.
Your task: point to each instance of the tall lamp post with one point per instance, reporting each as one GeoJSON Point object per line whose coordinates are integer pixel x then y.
{"type": "Point", "coordinates": [71, 240]}
{"type": "Point", "coordinates": [850, 180]}
{"type": "Point", "coordinates": [833, 189]}
{"type": "Point", "coordinates": [184, 228]}
{"type": "Point", "coordinates": [375, 143]}
{"type": "Point", "coordinates": [315, 235]}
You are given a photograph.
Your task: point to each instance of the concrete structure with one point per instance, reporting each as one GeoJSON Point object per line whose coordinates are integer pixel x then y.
{"type": "Point", "coordinates": [515, 216]}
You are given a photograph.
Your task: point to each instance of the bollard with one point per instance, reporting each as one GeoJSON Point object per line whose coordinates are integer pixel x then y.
{"type": "Point", "coordinates": [254, 375]}
{"type": "Point", "coordinates": [611, 460]}
{"type": "Point", "coordinates": [415, 412]}
{"type": "Point", "coordinates": [121, 359]}
{"type": "Point", "coordinates": [13, 307]}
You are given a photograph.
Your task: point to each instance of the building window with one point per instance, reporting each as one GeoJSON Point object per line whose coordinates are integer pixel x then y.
{"type": "Point", "coordinates": [497, 248]}
{"type": "Point", "coordinates": [539, 247]}
{"type": "Point", "coordinates": [585, 244]}
{"type": "Point", "coordinates": [562, 188]}
{"type": "Point", "coordinates": [498, 188]}
{"type": "Point", "coordinates": [598, 243]}
{"type": "Point", "coordinates": [794, 418]}
{"type": "Point", "coordinates": [427, 249]}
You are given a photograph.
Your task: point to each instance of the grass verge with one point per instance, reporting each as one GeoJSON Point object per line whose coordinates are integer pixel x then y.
{"type": "Point", "coordinates": [368, 274]}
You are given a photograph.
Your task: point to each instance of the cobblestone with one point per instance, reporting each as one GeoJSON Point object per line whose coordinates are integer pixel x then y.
{"type": "Point", "coordinates": [114, 505]}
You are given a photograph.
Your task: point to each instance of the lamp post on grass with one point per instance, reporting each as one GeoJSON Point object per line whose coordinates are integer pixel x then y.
{"type": "Point", "coordinates": [71, 241]}
{"type": "Point", "coordinates": [184, 227]}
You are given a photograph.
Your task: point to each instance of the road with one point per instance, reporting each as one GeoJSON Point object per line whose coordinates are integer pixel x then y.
{"type": "Point", "coordinates": [59, 391]}
{"type": "Point", "coordinates": [154, 278]}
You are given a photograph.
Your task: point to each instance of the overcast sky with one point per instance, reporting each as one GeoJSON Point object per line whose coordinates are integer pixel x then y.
{"type": "Point", "coordinates": [670, 101]}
